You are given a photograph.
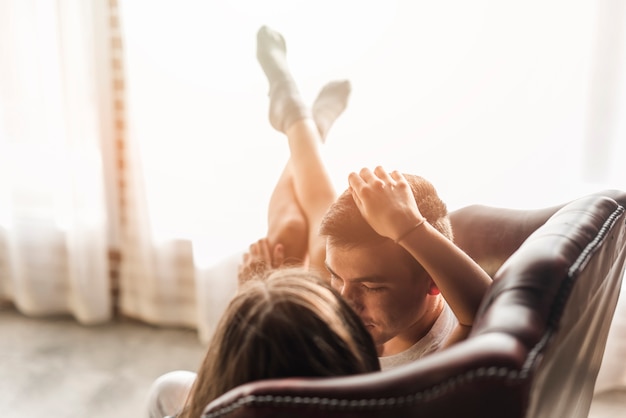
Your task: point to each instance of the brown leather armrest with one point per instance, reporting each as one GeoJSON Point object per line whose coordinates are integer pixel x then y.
{"type": "Point", "coordinates": [538, 335]}
{"type": "Point", "coordinates": [434, 386]}
{"type": "Point", "coordinates": [490, 235]}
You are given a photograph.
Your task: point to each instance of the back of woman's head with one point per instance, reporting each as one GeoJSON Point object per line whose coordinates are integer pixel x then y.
{"type": "Point", "coordinates": [288, 324]}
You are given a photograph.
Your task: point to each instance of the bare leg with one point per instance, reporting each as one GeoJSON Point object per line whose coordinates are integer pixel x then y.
{"type": "Point", "coordinates": [312, 186]}
{"type": "Point", "coordinates": [287, 222]}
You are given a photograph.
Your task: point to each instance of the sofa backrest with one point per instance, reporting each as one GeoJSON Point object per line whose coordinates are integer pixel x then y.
{"type": "Point", "coordinates": [534, 351]}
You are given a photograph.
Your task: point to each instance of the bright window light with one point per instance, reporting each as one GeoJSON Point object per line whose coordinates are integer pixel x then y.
{"type": "Point", "coordinates": [489, 100]}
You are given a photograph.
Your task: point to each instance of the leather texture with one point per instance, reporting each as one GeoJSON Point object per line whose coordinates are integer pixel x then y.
{"type": "Point", "coordinates": [537, 342]}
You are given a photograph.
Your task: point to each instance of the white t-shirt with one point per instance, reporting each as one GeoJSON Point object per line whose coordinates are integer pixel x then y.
{"type": "Point", "coordinates": [443, 326]}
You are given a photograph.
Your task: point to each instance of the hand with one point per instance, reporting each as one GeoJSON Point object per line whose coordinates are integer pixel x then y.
{"type": "Point", "coordinates": [385, 201]}
{"type": "Point", "coordinates": [260, 258]}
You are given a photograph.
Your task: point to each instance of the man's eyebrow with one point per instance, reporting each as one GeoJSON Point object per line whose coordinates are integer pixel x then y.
{"type": "Point", "coordinates": [331, 271]}
{"type": "Point", "coordinates": [365, 279]}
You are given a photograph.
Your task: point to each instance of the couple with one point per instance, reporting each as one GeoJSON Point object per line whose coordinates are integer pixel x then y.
{"type": "Point", "coordinates": [367, 280]}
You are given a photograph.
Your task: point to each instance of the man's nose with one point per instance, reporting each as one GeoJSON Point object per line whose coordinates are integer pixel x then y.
{"type": "Point", "coordinates": [353, 296]}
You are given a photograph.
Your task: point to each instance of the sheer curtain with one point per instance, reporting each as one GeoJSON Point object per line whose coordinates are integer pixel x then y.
{"type": "Point", "coordinates": [605, 149]}
{"type": "Point", "coordinates": [54, 231]}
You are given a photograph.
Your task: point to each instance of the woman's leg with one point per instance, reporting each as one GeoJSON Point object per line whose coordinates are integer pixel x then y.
{"type": "Point", "coordinates": [168, 393]}
{"type": "Point", "coordinates": [287, 222]}
{"type": "Point", "coordinates": [311, 184]}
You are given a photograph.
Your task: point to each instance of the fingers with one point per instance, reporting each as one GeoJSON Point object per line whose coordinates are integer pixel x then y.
{"type": "Point", "coordinates": [356, 184]}
{"type": "Point", "coordinates": [259, 251]}
{"type": "Point", "coordinates": [257, 260]}
{"type": "Point", "coordinates": [384, 175]}
{"type": "Point", "coordinates": [397, 176]}
{"type": "Point", "coordinates": [367, 175]}
{"type": "Point", "coordinates": [377, 178]}
{"type": "Point", "coordinates": [263, 249]}
{"type": "Point", "coordinates": [278, 256]}
{"type": "Point", "coordinates": [355, 180]}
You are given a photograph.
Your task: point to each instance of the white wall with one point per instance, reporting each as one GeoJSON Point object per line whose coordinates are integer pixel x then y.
{"type": "Point", "coordinates": [495, 102]}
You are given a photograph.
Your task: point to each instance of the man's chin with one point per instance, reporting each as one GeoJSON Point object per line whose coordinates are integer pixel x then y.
{"type": "Point", "coordinates": [379, 340]}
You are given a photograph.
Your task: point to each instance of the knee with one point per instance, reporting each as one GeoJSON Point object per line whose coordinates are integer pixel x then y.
{"type": "Point", "coordinates": [292, 232]}
{"type": "Point", "coordinates": [168, 393]}
{"type": "Point", "coordinates": [295, 226]}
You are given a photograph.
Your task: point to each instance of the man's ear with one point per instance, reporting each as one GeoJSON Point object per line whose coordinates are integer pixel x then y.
{"type": "Point", "coordinates": [433, 290]}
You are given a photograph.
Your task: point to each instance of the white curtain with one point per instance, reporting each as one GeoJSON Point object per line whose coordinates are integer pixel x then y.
{"type": "Point", "coordinates": [53, 213]}
{"type": "Point", "coordinates": [605, 149]}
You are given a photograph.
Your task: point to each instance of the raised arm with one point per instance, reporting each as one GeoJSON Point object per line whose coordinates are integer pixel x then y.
{"type": "Point", "coordinates": [387, 204]}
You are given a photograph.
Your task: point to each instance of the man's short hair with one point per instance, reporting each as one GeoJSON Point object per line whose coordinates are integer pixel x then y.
{"type": "Point", "coordinates": [343, 225]}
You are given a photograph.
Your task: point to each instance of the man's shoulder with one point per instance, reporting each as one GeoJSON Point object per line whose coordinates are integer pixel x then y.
{"type": "Point", "coordinates": [429, 343]}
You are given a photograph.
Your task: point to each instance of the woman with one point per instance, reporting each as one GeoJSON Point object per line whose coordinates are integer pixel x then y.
{"type": "Point", "coordinates": [288, 324]}
{"type": "Point", "coordinates": [304, 190]}
{"type": "Point", "coordinates": [299, 200]}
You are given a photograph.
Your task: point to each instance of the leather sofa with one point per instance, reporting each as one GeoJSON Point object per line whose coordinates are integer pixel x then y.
{"type": "Point", "coordinates": [537, 342]}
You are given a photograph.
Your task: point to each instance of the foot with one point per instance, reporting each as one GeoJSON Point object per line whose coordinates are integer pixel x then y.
{"type": "Point", "coordinates": [286, 106]}
{"type": "Point", "coordinates": [271, 52]}
{"type": "Point", "coordinates": [329, 104]}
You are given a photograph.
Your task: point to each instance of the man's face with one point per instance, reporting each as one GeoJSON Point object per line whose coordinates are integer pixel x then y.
{"type": "Point", "coordinates": [379, 284]}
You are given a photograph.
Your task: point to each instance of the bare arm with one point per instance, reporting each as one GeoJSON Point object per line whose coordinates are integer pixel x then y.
{"type": "Point", "coordinates": [462, 282]}
{"type": "Point", "coordinates": [388, 205]}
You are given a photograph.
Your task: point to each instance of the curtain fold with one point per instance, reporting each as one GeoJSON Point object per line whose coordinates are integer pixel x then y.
{"type": "Point", "coordinates": [156, 277]}
{"type": "Point", "coordinates": [53, 219]}
{"type": "Point", "coordinates": [605, 148]}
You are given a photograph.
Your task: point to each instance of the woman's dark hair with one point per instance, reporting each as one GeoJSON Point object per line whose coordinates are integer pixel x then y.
{"type": "Point", "coordinates": [288, 324]}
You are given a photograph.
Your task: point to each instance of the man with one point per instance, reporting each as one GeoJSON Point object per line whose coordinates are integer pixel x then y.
{"type": "Point", "coordinates": [390, 253]}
